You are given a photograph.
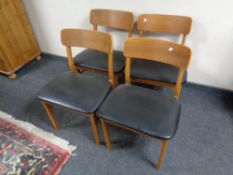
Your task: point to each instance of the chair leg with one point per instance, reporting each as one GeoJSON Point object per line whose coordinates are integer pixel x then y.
{"type": "Point", "coordinates": [178, 92]}
{"type": "Point", "coordinates": [106, 134]}
{"type": "Point", "coordinates": [162, 154]}
{"type": "Point", "coordinates": [49, 110]}
{"type": "Point", "coordinates": [94, 126]}
{"type": "Point", "coordinates": [117, 79]}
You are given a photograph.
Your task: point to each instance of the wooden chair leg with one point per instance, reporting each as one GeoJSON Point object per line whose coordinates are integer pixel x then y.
{"type": "Point", "coordinates": [117, 79]}
{"type": "Point", "coordinates": [106, 134]}
{"type": "Point", "coordinates": [178, 92]}
{"type": "Point", "coordinates": [95, 131]}
{"type": "Point", "coordinates": [49, 110]}
{"type": "Point", "coordinates": [162, 154]}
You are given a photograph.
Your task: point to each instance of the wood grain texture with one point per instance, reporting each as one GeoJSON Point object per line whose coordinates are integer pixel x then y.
{"type": "Point", "coordinates": [91, 40]}
{"type": "Point", "coordinates": [49, 109]}
{"type": "Point", "coordinates": [87, 39]}
{"type": "Point", "coordinates": [158, 50]}
{"type": "Point", "coordinates": [161, 51]}
{"type": "Point", "coordinates": [18, 44]}
{"type": "Point", "coordinates": [72, 66]}
{"type": "Point", "coordinates": [164, 23]}
{"type": "Point", "coordinates": [162, 154]}
{"type": "Point", "coordinates": [94, 125]}
{"type": "Point", "coordinates": [106, 134]}
{"type": "Point", "coordinates": [123, 20]}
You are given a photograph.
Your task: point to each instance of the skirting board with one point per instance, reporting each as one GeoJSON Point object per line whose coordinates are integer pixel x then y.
{"type": "Point", "coordinates": [214, 90]}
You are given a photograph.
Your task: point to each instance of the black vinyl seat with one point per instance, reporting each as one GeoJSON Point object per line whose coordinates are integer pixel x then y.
{"type": "Point", "coordinates": [156, 71]}
{"type": "Point", "coordinates": [79, 92]}
{"type": "Point", "coordinates": [142, 109]}
{"type": "Point", "coordinates": [94, 59]}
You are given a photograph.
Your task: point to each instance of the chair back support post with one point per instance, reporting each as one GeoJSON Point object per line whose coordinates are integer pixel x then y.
{"type": "Point", "coordinates": [95, 27]}
{"type": "Point", "coordinates": [88, 39]}
{"type": "Point", "coordinates": [178, 88]}
{"type": "Point", "coordinates": [71, 60]}
{"type": "Point", "coordinates": [183, 39]}
{"type": "Point", "coordinates": [111, 71]}
{"type": "Point", "coordinates": [157, 50]}
{"type": "Point", "coordinates": [128, 70]}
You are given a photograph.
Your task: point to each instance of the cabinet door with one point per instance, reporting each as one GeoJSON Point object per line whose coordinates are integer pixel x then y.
{"type": "Point", "coordinates": [3, 65]}
{"type": "Point", "coordinates": [18, 42]}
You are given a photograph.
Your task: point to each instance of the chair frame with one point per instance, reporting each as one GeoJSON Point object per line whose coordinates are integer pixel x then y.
{"type": "Point", "coordinates": [108, 18]}
{"type": "Point", "coordinates": [163, 24]}
{"type": "Point", "coordinates": [146, 49]}
{"type": "Point", "coordinates": [83, 38]}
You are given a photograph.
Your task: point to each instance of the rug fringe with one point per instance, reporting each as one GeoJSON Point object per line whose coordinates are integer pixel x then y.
{"type": "Point", "coordinates": [39, 132]}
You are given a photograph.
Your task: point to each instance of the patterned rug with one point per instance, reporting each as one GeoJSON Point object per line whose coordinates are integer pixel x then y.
{"type": "Point", "coordinates": [28, 150]}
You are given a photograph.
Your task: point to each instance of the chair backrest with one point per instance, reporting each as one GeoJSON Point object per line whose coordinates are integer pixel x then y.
{"type": "Point", "coordinates": [88, 39]}
{"type": "Point", "coordinates": [157, 50]}
{"type": "Point", "coordinates": [165, 24]}
{"type": "Point", "coordinates": [122, 20]}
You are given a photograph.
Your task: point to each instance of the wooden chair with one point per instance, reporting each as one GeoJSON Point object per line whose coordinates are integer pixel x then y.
{"type": "Point", "coordinates": [155, 73]}
{"type": "Point", "coordinates": [121, 20]}
{"type": "Point", "coordinates": [79, 92]}
{"type": "Point", "coordinates": [141, 110]}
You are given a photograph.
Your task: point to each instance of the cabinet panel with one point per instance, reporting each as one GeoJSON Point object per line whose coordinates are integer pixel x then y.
{"type": "Point", "coordinates": [2, 62]}
{"type": "Point", "coordinates": [18, 44]}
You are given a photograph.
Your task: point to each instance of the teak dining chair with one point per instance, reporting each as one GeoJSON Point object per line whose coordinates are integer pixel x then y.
{"type": "Point", "coordinates": [155, 73]}
{"type": "Point", "coordinates": [142, 110]}
{"type": "Point", "coordinates": [121, 20]}
{"type": "Point", "coordinates": [79, 92]}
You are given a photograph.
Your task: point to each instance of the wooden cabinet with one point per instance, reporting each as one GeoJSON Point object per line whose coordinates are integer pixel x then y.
{"type": "Point", "coordinates": [18, 45]}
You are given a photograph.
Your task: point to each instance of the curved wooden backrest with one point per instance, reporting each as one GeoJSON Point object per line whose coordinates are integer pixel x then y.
{"type": "Point", "coordinates": [112, 18]}
{"type": "Point", "coordinates": [88, 39]}
{"type": "Point", "coordinates": [158, 50]}
{"type": "Point", "coordinates": [164, 24]}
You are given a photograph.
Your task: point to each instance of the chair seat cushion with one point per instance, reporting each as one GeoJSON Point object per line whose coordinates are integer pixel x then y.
{"type": "Point", "coordinates": [157, 71]}
{"type": "Point", "coordinates": [79, 92]}
{"type": "Point", "coordinates": [142, 109]}
{"type": "Point", "coordinates": [99, 60]}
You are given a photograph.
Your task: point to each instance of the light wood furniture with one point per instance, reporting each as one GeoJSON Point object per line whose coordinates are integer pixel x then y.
{"type": "Point", "coordinates": [157, 23]}
{"type": "Point", "coordinates": [171, 24]}
{"type": "Point", "coordinates": [79, 92]}
{"type": "Point", "coordinates": [145, 111]}
{"type": "Point", "coordinates": [120, 20]}
{"type": "Point", "coordinates": [18, 45]}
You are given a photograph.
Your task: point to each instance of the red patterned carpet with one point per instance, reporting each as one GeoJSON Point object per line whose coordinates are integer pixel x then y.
{"type": "Point", "coordinates": [27, 150]}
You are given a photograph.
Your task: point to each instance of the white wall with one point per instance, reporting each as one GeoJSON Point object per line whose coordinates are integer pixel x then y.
{"type": "Point", "coordinates": [211, 38]}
